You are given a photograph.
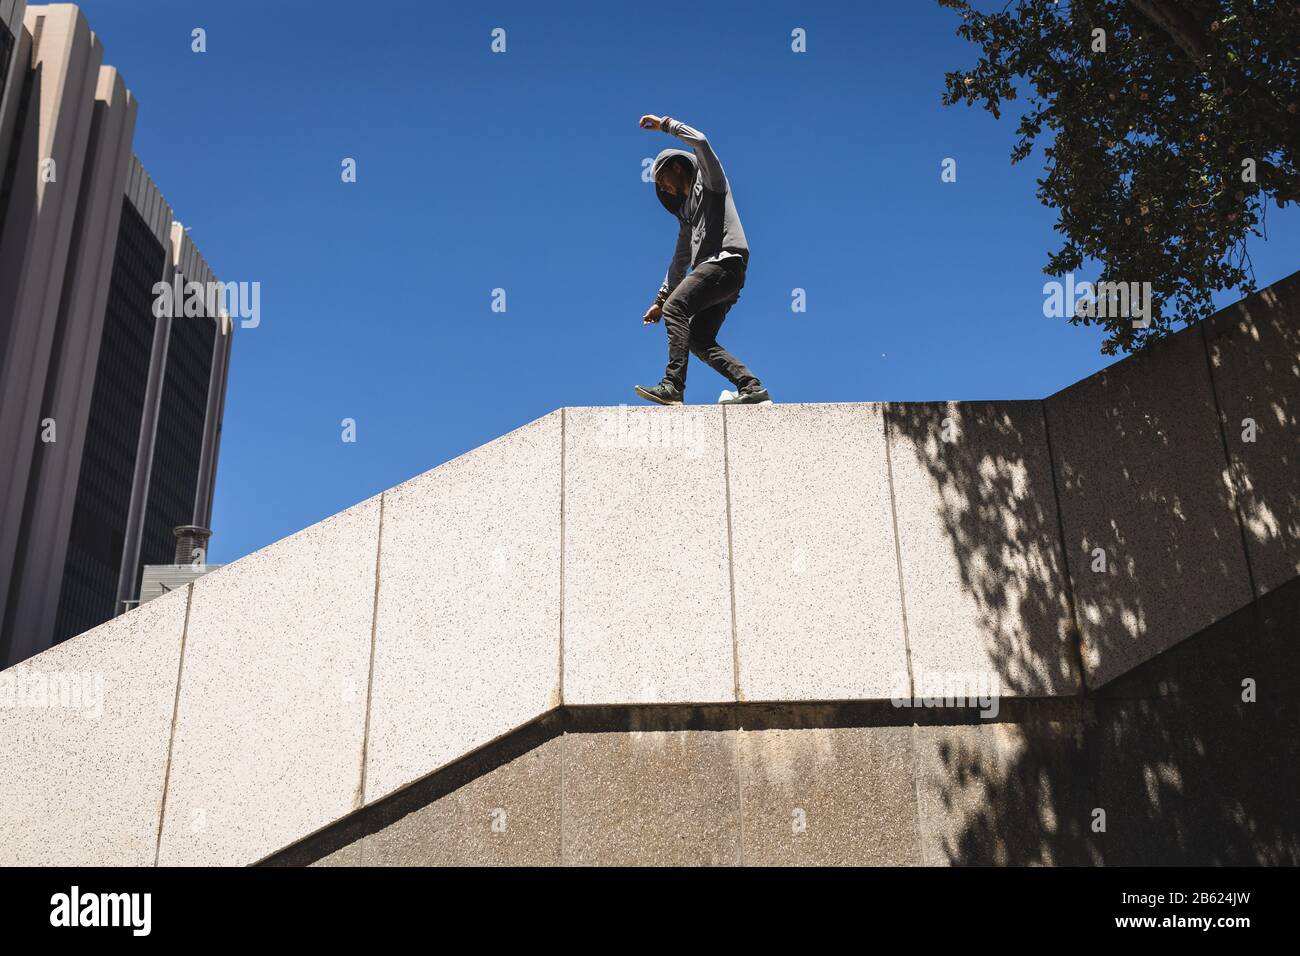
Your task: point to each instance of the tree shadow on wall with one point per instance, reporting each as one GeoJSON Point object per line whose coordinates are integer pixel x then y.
{"type": "Point", "coordinates": [1183, 769]}
{"type": "Point", "coordinates": [982, 467]}
{"type": "Point", "coordinates": [1254, 348]}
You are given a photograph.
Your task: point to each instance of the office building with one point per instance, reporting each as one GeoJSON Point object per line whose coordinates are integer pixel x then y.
{"type": "Point", "coordinates": [110, 418]}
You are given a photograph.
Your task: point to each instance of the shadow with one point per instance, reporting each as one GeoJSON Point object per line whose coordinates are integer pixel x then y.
{"type": "Point", "coordinates": [1185, 771]}
{"type": "Point", "coordinates": [1147, 461]}
{"type": "Point", "coordinates": [1148, 511]}
{"type": "Point", "coordinates": [990, 489]}
{"type": "Point", "coordinates": [1254, 350]}
{"type": "Point", "coordinates": [379, 816]}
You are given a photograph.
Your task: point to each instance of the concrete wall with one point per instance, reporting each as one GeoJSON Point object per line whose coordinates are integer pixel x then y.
{"type": "Point", "coordinates": [469, 583]}
{"type": "Point", "coordinates": [271, 709]}
{"type": "Point", "coordinates": [765, 796]}
{"type": "Point", "coordinates": [1169, 765]}
{"type": "Point", "coordinates": [85, 778]}
{"type": "Point", "coordinates": [602, 561]}
{"type": "Point", "coordinates": [983, 574]}
{"type": "Point", "coordinates": [1144, 487]}
{"type": "Point", "coordinates": [814, 558]}
{"type": "Point", "coordinates": [1254, 350]}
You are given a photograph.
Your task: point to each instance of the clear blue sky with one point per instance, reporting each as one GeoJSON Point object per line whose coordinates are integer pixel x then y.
{"type": "Point", "coordinates": [523, 171]}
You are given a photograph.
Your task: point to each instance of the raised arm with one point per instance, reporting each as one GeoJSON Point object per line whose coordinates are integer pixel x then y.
{"type": "Point", "coordinates": [710, 169]}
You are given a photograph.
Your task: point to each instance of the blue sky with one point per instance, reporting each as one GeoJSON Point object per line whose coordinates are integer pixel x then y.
{"type": "Point", "coordinates": [522, 171]}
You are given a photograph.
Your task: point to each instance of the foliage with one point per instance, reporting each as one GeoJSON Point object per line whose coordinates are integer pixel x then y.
{"type": "Point", "coordinates": [1149, 143]}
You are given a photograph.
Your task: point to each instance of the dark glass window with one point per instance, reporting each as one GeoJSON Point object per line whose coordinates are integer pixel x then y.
{"type": "Point", "coordinates": [23, 90]}
{"type": "Point", "coordinates": [174, 481]}
{"type": "Point", "coordinates": [6, 56]}
{"type": "Point", "coordinates": [103, 498]}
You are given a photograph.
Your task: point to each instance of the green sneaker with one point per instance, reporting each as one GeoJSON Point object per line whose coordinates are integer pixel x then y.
{"type": "Point", "coordinates": [665, 393]}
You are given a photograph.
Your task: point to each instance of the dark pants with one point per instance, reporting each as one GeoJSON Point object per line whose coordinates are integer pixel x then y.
{"type": "Point", "coordinates": [694, 313]}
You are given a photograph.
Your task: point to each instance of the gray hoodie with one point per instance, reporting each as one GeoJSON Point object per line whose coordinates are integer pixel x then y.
{"type": "Point", "coordinates": [710, 227]}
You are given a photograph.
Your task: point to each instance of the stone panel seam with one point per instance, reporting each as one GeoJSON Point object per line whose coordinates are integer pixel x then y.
{"type": "Point", "coordinates": [898, 548]}
{"type": "Point", "coordinates": [916, 794]}
{"type": "Point", "coordinates": [171, 737]}
{"type": "Point", "coordinates": [731, 562]}
{"type": "Point", "coordinates": [738, 756]}
{"type": "Point", "coordinates": [1067, 577]}
{"type": "Point", "coordinates": [359, 800]}
{"type": "Point", "coordinates": [563, 473]}
{"type": "Point", "coordinates": [563, 731]}
{"type": "Point", "coordinates": [564, 747]}
{"type": "Point", "coordinates": [1238, 486]}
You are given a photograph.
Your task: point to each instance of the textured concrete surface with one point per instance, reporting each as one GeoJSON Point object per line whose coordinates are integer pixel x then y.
{"type": "Point", "coordinates": [816, 571]}
{"type": "Point", "coordinates": [983, 576]}
{"type": "Point", "coordinates": [1178, 783]}
{"type": "Point", "coordinates": [1199, 750]}
{"type": "Point", "coordinates": [1257, 643]}
{"type": "Point", "coordinates": [1206, 781]}
{"type": "Point", "coordinates": [467, 640]}
{"type": "Point", "coordinates": [647, 595]}
{"type": "Point", "coordinates": [829, 797]}
{"type": "Point", "coordinates": [349, 855]}
{"type": "Point", "coordinates": [1141, 473]}
{"type": "Point", "coordinates": [613, 561]}
{"type": "Point", "coordinates": [1004, 794]}
{"type": "Point", "coordinates": [1190, 774]}
{"type": "Point", "coordinates": [1254, 348]}
{"type": "Point", "coordinates": [657, 798]}
{"type": "Point", "coordinates": [82, 779]}
{"type": "Point", "coordinates": [510, 816]}
{"type": "Point", "coordinates": [272, 712]}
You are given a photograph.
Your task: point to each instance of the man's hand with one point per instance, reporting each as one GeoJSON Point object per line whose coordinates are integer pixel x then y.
{"type": "Point", "coordinates": [649, 121]}
{"type": "Point", "coordinates": [652, 314]}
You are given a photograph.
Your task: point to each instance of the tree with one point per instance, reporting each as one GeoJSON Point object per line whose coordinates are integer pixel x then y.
{"type": "Point", "coordinates": [1167, 125]}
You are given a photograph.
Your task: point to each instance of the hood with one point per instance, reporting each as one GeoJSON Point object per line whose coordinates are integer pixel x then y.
{"type": "Point", "coordinates": [671, 203]}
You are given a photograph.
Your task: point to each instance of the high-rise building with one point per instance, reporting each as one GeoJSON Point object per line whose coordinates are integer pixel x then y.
{"type": "Point", "coordinates": [110, 418]}
{"type": "Point", "coordinates": [11, 16]}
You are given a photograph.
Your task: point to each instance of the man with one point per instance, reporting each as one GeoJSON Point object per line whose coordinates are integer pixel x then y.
{"type": "Point", "coordinates": [712, 243]}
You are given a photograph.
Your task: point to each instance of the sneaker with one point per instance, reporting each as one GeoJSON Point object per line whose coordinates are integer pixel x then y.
{"type": "Point", "coordinates": [665, 393]}
{"type": "Point", "coordinates": [755, 397]}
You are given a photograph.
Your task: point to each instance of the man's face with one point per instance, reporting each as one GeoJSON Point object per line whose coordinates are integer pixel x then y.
{"type": "Point", "coordinates": [673, 180]}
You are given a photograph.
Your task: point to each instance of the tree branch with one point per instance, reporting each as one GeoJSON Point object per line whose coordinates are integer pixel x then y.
{"type": "Point", "coordinates": [1180, 26]}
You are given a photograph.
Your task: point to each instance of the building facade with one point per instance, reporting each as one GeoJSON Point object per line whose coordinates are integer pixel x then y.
{"type": "Point", "coordinates": [110, 417]}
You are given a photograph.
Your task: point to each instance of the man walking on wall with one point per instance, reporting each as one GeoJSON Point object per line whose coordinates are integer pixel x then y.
{"type": "Point", "coordinates": [711, 242]}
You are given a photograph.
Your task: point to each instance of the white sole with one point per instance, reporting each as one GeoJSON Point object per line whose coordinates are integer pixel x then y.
{"type": "Point", "coordinates": [651, 398]}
